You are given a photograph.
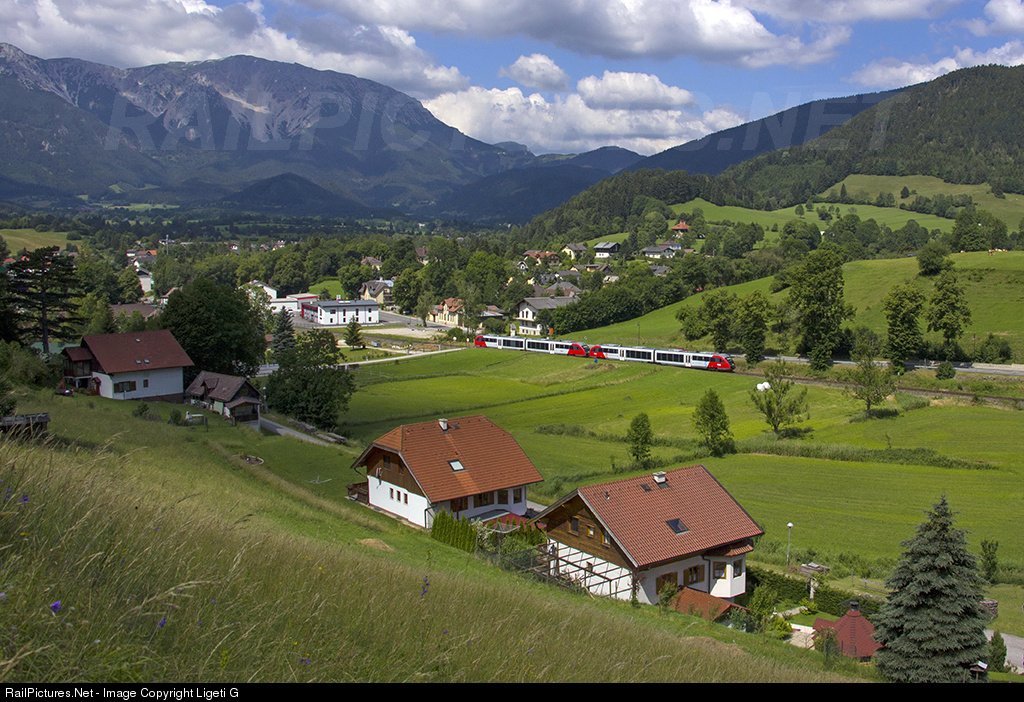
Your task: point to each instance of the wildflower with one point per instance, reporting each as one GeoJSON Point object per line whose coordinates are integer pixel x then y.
{"type": "Point", "coordinates": [426, 584]}
{"type": "Point", "coordinates": [160, 624]}
{"type": "Point", "coordinates": [304, 661]}
{"type": "Point", "coordinates": [23, 499]}
{"type": "Point", "coordinates": [56, 607]}
{"type": "Point", "coordinates": [3, 596]}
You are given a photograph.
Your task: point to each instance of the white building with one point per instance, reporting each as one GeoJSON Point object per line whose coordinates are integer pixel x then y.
{"type": "Point", "coordinates": [467, 466]}
{"type": "Point", "coordinates": [335, 313]}
{"type": "Point", "coordinates": [145, 365]}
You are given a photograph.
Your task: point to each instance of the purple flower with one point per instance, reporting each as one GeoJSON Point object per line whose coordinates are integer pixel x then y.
{"type": "Point", "coordinates": [160, 624]}
{"type": "Point", "coordinates": [56, 607]}
{"type": "Point", "coordinates": [23, 499]}
{"type": "Point", "coordinates": [426, 584]}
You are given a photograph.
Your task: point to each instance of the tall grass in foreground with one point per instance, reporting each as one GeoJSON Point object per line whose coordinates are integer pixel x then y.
{"type": "Point", "coordinates": [99, 583]}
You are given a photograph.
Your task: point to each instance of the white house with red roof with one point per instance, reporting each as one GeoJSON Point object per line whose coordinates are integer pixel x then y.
{"type": "Point", "coordinates": [146, 365]}
{"type": "Point", "coordinates": [678, 527]}
{"type": "Point", "coordinates": [468, 466]}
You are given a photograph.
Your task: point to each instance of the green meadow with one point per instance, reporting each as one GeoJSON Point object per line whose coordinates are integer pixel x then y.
{"type": "Point", "coordinates": [18, 239]}
{"type": "Point", "coordinates": [136, 551]}
{"type": "Point", "coordinates": [570, 416]}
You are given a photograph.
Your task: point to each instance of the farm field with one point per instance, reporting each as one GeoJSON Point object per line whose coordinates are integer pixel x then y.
{"type": "Point", "coordinates": [18, 239]}
{"type": "Point", "coordinates": [846, 507]}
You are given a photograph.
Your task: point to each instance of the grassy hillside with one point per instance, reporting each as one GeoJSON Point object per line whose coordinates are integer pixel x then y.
{"type": "Point", "coordinates": [18, 239]}
{"type": "Point", "coordinates": [136, 551]}
{"type": "Point", "coordinates": [994, 286]}
{"type": "Point", "coordinates": [1010, 208]}
{"type": "Point", "coordinates": [892, 217]}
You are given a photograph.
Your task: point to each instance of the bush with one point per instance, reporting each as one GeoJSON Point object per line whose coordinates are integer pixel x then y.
{"type": "Point", "coordinates": [945, 371]}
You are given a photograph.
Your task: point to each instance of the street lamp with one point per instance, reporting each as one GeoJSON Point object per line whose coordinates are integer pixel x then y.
{"type": "Point", "coordinates": [789, 543]}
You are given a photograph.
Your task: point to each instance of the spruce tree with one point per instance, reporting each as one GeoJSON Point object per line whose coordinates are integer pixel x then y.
{"type": "Point", "coordinates": [932, 628]}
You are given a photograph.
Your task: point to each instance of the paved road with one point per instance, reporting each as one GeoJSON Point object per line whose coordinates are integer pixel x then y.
{"type": "Point", "coordinates": [275, 428]}
{"type": "Point", "coordinates": [1014, 650]}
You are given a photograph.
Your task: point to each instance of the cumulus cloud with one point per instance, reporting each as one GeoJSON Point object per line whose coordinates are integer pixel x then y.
{"type": "Point", "coordinates": [566, 124]}
{"type": "Point", "coordinates": [126, 33]}
{"type": "Point", "coordinates": [537, 71]}
{"type": "Point", "coordinates": [893, 73]}
{"type": "Point", "coordinates": [637, 91]}
{"type": "Point", "coordinates": [1004, 17]}
{"type": "Point", "coordinates": [726, 31]}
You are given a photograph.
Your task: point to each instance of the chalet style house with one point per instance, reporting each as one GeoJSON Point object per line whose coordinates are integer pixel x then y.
{"type": "Point", "coordinates": [678, 527]}
{"type": "Point", "coordinates": [467, 466]}
{"type": "Point", "coordinates": [230, 395]}
{"type": "Point", "coordinates": [146, 365]}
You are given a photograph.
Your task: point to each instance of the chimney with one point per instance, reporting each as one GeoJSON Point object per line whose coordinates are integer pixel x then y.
{"type": "Point", "coordinates": [660, 478]}
{"type": "Point", "coordinates": [444, 424]}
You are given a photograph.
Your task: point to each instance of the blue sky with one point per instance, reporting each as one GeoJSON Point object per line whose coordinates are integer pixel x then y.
{"type": "Point", "coordinates": [560, 76]}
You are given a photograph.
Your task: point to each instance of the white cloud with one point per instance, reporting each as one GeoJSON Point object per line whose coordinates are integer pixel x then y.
{"type": "Point", "coordinates": [1005, 17]}
{"type": "Point", "coordinates": [568, 125]}
{"type": "Point", "coordinates": [128, 33]}
{"type": "Point", "coordinates": [537, 71]}
{"type": "Point", "coordinates": [636, 91]}
{"type": "Point", "coordinates": [716, 30]}
{"type": "Point", "coordinates": [893, 73]}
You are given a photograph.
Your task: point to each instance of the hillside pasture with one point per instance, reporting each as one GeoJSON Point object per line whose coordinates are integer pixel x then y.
{"type": "Point", "coordinates": [574, 432]}
{"type": "Point", "coordinates": [18, 239]}
{"type": "Point", "coordinates": [1009, 208]}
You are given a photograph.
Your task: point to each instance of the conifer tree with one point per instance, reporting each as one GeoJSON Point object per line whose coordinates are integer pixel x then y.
{"type": "Point", "coordinates": [932, 628]}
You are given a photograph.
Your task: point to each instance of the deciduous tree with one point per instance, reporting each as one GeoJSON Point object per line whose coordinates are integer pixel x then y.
{"type": "Point", "coordinates": [948, 312]}
{"type": "Point", "coordinates": [712, 424]}
{"type": "Point", "coordinates": [903, 306]}
{"type": "Point", "coordinates": [640, 438]}
{"type": "Point", "coordinates": [932, 627]}
{"type": "Point", "coordinates": [752, 317]}
{"type": "Point", "coordinates": [217, 326]}
{"type": "Point", "coordinates": [777, 399]}
{"type": "Point", "coordinates": [817, 293]}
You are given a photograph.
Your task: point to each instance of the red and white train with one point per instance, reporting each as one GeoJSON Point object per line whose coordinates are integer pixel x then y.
{"type": "Point", "coordinates": [612, 352]}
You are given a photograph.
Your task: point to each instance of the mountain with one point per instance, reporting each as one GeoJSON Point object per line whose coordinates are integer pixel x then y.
{"type": "Point", "coordinates": [518, 195]}
{"type": "Point", "coordinates": [291, 194]}
{"type": "Point", "coordinates": [201, 130]}
{"type": "Point", "coordinates": [963, 127]}
{"type": "Point", "coordinates": [792, 127]}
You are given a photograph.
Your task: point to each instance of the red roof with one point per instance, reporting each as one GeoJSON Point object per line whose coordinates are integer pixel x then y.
{"type": "Point", "coordinates": [490, 458]}
{"type": "Point", "coordinates": [132, 351]}
{"type": "Point", "coordinates": [695, 602]}
{"type": "Point", "coordinates": [854, 634]}
{"type": "Point", "coordinates": [656, 521]}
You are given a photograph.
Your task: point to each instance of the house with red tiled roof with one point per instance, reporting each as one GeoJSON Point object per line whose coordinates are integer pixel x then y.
{"type": "Point", "coordinates": [635, 536]}
{"type": "Point", "coordinates": [467, 466]}
{"type": "Point", "coordinates": [146, 365]}
{"type": "Point", "coordinates": [854, 633]}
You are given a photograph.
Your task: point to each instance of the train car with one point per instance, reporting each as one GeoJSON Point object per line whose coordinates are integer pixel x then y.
{"type": "Point", "coordinates": [613, 352]}
{"type": "Point", "coordinates": [563, 348]}
{"type": "Point", "coordinates": [694, 359]}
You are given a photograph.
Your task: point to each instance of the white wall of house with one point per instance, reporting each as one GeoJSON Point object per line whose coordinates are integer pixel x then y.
{"type": "Point", "coordinates": [334, 314]}
{"type": "Point", "coordinates": [733, 583]}
{"type": "Point", "coordinates": [474, 509]}
{"type": "Point", "coordinates": [398, 501]}
{"type": "Point", "coordinates": [148, 383]}
{"type": "Point", "coordinates": [526, 320]}
{"type": "Point", "coordinates": [734, 580]}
